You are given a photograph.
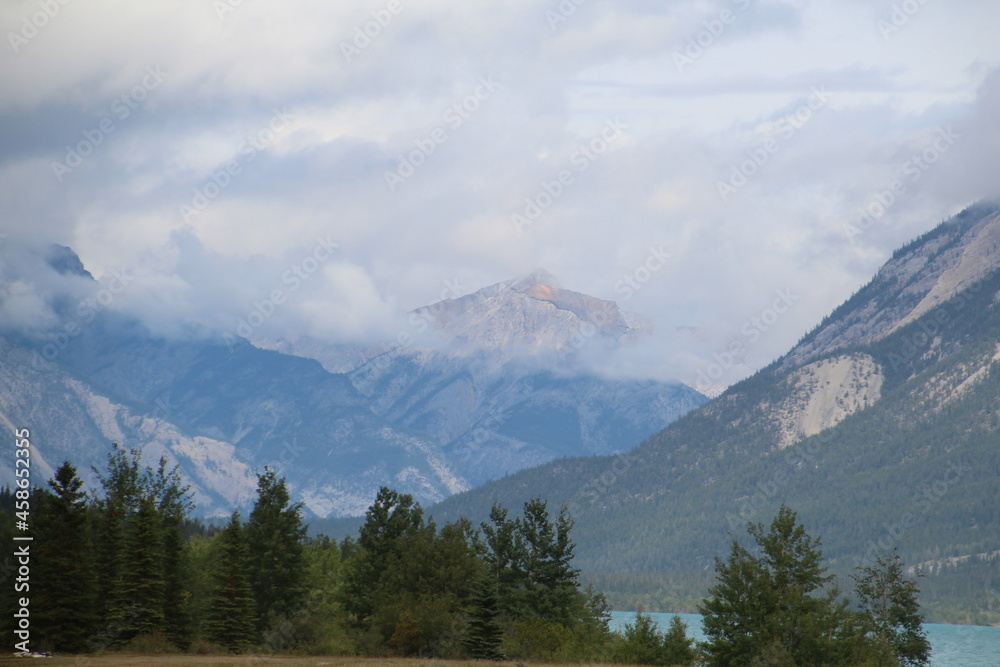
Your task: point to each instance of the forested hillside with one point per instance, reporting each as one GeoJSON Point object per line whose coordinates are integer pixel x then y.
{"type": "Point", "coordinates": [913, 466]}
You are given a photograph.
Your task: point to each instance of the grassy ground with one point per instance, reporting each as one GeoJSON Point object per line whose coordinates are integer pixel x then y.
{"type": "Point", "coordinates": [126, 660]}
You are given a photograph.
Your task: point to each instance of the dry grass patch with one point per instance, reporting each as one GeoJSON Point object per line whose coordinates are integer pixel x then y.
{"type": "Point", "coordinates": [128, 660]}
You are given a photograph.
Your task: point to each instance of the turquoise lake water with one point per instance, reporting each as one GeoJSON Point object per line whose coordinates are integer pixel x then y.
{"type": "Point", "coordinates": [951, 645]}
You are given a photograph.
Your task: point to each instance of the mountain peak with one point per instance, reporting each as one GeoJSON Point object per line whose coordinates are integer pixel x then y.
{"type": "Point", "coordinates": [538, 277]}
{"type": "Point", "coordinates": [917, 280]}
{"type": "Point", "coordinates": [533, 314]}
{"type": "Point", "coordinates": [64, 260]}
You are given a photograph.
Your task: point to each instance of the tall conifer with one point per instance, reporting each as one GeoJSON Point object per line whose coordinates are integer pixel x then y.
{"type": "Point", "coordinates": [64, 596]}
{"type": "Point", "coordinates": [275, 533]}
{"type": "Point", "coordinates": [231, 607]}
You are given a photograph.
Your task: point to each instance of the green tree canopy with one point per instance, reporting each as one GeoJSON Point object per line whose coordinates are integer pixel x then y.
{"type": "Point", "coordinates": [275, 534]}
{"type": "Point", "coordinates": [65, 598]}
{"type": "Point", "coordinates": [771, 605]}
{"type": "Point", "coordinates": [231, 607]}
{"type": "Point", "coordinates": [889, 601]}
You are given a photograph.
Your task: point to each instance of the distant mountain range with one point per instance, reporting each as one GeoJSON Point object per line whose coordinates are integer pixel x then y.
{"type": "Point", "coordinates": [499, 389]}
{"type": "Point", "coordinates": [881, 427]}
{"type": "Point", "coordinates": [485, 384]}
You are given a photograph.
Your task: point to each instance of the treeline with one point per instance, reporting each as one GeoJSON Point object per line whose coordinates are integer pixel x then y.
{"type": "Point", "coordinates": [775, 604]}
{"type": "Point", "coordinates": [126, 569]}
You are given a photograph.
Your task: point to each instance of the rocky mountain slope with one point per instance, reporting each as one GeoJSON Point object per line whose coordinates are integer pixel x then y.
{"type": "Point", "coordinates": [881, 427]}
{"type": "Point", "coordinates": [531, 315]}
{"type": "Point", "coordinates": [425, 421]}
{"type": "Point", "coordinates": [220, 414]}
{"type": "Point", "coordinates": [493, 380]}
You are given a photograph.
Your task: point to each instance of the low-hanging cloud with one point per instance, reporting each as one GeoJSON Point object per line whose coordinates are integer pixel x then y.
{"type": "Point", "coordinates": [261, 137]}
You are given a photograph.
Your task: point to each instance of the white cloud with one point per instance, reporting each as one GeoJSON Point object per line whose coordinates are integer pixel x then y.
{"type": "Point", "coordinates": [449, 221]}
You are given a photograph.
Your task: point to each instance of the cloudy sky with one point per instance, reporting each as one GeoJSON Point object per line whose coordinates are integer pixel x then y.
{"type": "Point", "coordinates": [365, 158]}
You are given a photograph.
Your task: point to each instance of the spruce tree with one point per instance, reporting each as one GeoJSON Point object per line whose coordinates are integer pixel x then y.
{"type": "Point", "coordinates": [275, 533]}
{"type": "Point", "coordinates": [390, 519]}
{"type": "Point", "coordinates": [889, 601]}
{"type": "Point", "coordinates": [143, 588]}
{"type": "Point", "coordinates": [110, 549]}
{"type": "Point", "coordinates": [64, 597]}
{"type": "Point", "coordinates": [506, 559]}
{"type": "Point", "coordinates": [641, 642]}
{"type": "Point", "coordinates": [231, 607]}
{"type": "Point", "coordinates": [549, 550]}
{"type": "Point", "coordinates": [8, 564]}
{"type": "Point", "coordinates": [485, 634]}
{"type": "Point", "coordinates": [771, 606]}
{"type": "Point", "coordinates": [122, 485]}
{"type": "Point", "coordinates": [678, 647]}
{"type": "Point", "coordinates": [173, 502]}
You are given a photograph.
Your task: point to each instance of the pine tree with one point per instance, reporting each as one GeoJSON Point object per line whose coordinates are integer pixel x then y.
{"type": "Point", "coordinates": [678, 647]}
{"type": "Point", "coordinates": [230, 617]}
{"type": "Point", "coordinates": [506, 560]}
{"type": "Point", "coordinates": [110, 568]}
{"type": "Point", "coordinates": [63, 579]}
{"type": "Point", "coordinates": [889, 601]}
{"type": "Point", "coordinates": [485, 634]}
{"type": "Point", "coordinates": [392, 517]}
{"type": "Point", "coordinates": [125, 479]}
{"type": "Point", "coordinates": [173, 502]}
{"type": "Point", "coordinates": [143, 589]}
{"type": "Point", "coordinates": [275, 534]}
{"type": "Point", "coordinates": [734, 614]}
{"type": "Point", "coordinates": [8, 564]}
{"type": "Point", "coordinates": [771, 606]}
{"type": "Point", "coordinates": [549, 550]}
{"type": "Point", "coordinates": [529, 557]}
{"type": "Point", "coordinates": [122, 484]}
{"type": "Point", "coordinates": [641, 642]}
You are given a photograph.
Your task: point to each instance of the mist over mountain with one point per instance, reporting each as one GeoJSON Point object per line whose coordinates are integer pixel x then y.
{"type": "Point", "coordinates": [499, 389]}
{"type": "Point", "coordinates": [881, 427]}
